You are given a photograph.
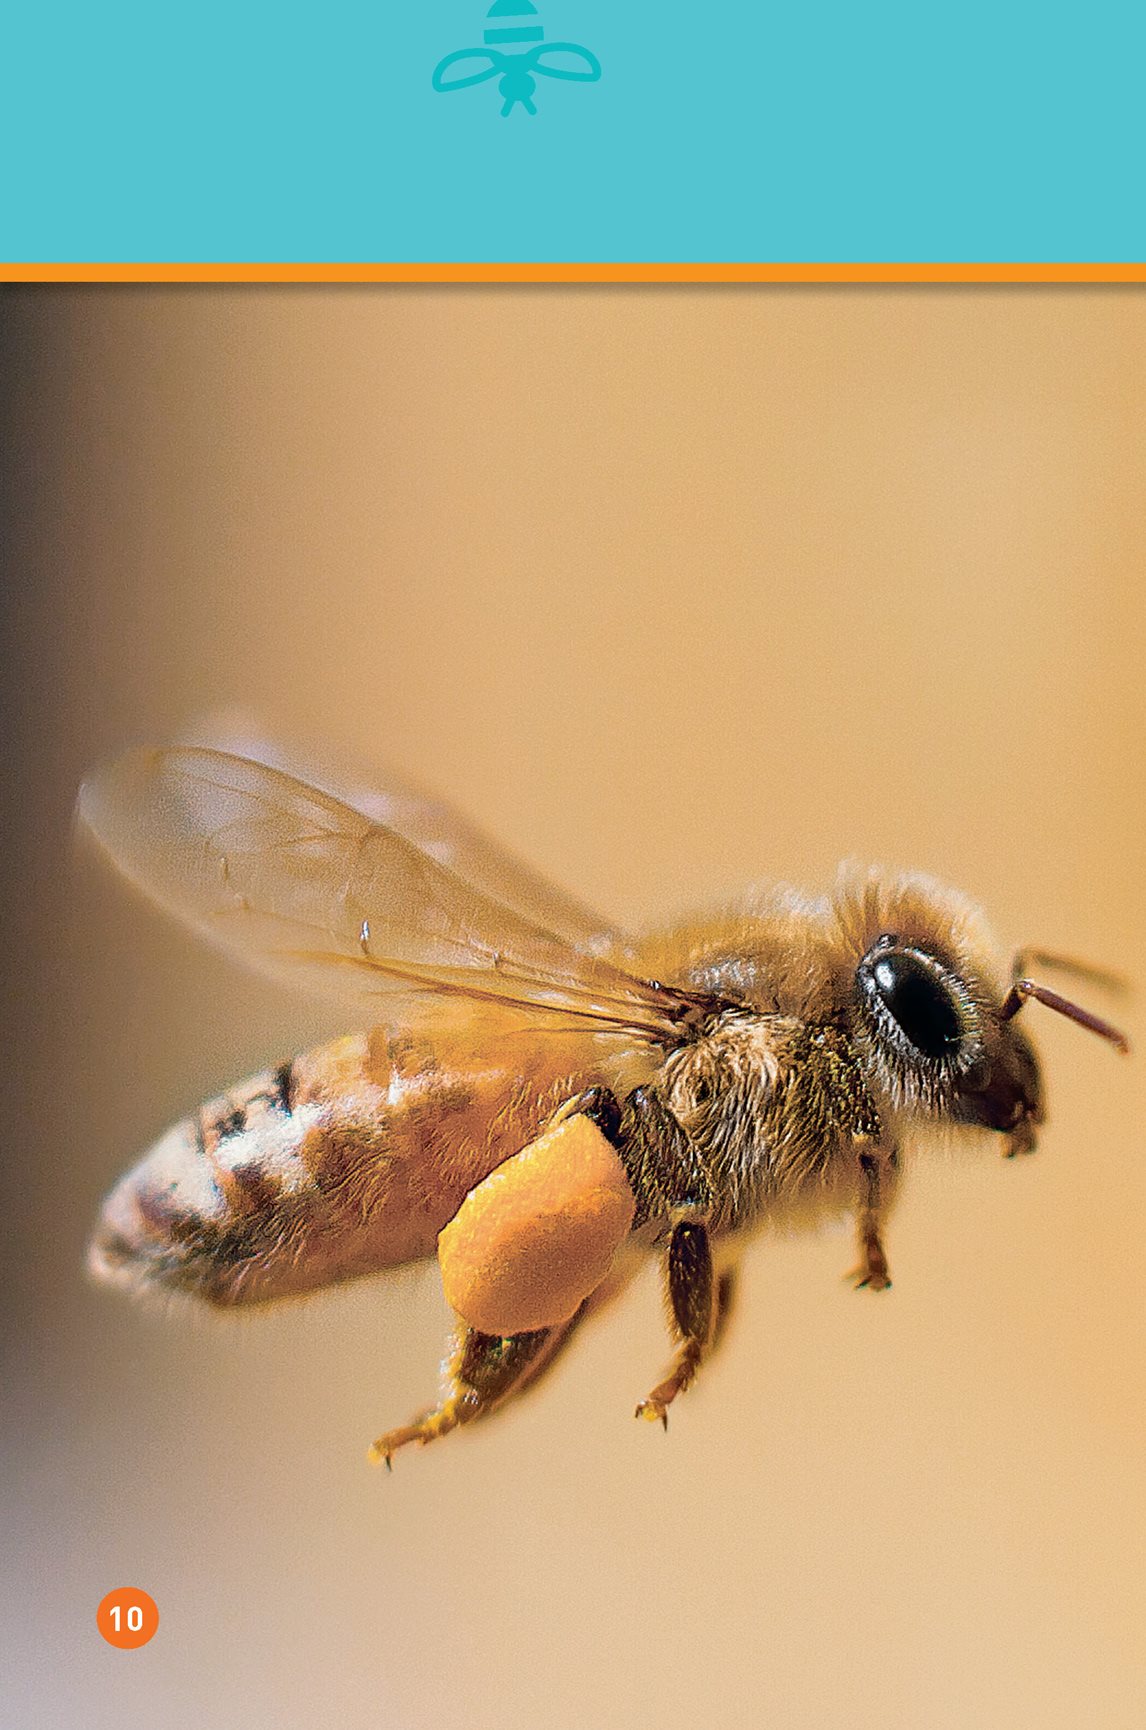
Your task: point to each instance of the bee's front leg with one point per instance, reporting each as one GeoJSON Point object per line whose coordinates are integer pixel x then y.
{"type": "Point", "coordinates": [483, 1372]}
{"type": "Point", "coordinates": [693, 1298]}
{"type": "Point", "coordinates": [878, 1172]}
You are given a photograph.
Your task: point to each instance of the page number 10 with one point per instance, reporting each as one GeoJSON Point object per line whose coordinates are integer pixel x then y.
{"type": "Point", "coordinates": [127, 1617]}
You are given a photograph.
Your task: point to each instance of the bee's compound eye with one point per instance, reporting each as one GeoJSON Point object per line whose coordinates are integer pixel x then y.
{"type": "Point", "coordinates": [919, 1002]}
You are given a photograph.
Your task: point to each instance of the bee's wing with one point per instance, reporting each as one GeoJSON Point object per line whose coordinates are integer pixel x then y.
{"type": "Point", "coordinates": [566, 60]}
{"type": "Point", "coordinates": [494, 65]}
{"type": "Point", "coordinates": [431, 824]}
{"type": "Point", "coordinates": [294, 880]}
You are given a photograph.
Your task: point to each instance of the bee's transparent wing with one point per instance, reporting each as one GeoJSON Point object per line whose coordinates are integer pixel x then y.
{"type": "Point", "coordinates": [294, 880]}
{"type": "Point", "coordinates": [433, 826]}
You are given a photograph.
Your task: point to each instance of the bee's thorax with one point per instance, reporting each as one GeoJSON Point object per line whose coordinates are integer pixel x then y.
{"type": "Point", "coordinates": [754, 1111]}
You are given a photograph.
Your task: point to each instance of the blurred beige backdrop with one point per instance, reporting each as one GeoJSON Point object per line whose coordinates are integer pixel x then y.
{"type": "Point", "coordinates": [674, 590]}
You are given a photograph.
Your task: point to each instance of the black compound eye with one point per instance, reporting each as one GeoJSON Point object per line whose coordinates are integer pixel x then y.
{"type": "Point", "coordinates": [920, 1003]}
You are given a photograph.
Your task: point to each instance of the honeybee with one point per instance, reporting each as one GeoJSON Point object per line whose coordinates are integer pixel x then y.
{"type": "Point", "coordinates": [538, 1100]}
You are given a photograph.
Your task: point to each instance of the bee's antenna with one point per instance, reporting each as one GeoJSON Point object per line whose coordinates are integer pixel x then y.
{"type": "Point", "coordinates": [1103, 977]}
{"type": "Point", "coordinates": [1024, 988]}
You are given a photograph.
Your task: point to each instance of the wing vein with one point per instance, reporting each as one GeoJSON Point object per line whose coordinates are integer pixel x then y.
{"type": "Point", "coordinates": [292, 879]}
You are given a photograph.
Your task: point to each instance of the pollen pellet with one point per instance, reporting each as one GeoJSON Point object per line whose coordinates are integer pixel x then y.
{"type": "Point", "coordinates": [531, 1241]}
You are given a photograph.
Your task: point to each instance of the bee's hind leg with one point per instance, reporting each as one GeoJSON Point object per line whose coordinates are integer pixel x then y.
{"type": "Point", "coordinates": [696, 1300]}
{"type": "Point", "coordinates": [483, 1372]}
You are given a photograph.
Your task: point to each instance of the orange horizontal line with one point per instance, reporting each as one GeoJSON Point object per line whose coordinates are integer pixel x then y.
{"type": "Point", "coordinates": [572, 273]}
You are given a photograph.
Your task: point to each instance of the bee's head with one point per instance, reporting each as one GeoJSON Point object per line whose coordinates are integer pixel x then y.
{"type": "Point", "coordinates": [939, 1031]}
{"type": "Point", "coordinates": [942, 1044]}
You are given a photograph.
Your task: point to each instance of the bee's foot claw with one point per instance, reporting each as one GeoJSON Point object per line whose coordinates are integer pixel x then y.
{"type": "Point", "coordinates": [383, 1450]}
{"type": "Point", "coordinates": [870, 1278]}
{"type": "Point", "coordinates": [655, 1411]}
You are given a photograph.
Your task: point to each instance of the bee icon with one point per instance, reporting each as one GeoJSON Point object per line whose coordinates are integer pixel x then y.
{"type": "Point", "coordinates": [519, 70]}
{"type": "Point", "coordinates": [536, 1100]}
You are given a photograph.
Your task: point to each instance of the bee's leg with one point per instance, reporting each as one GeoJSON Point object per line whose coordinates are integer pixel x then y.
{"type": "Point", "coordinates": [878, 1173]}
{"type": "Point", "coordinates": [693, 1299]}
{"type": "Point", "coordinates": [727, 1286]}
{"type": "Point", "coordinates": [483, 1372]}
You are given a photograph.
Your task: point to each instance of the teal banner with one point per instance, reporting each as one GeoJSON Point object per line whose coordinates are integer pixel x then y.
{"type": "Point", "coordinates": [573, 131]}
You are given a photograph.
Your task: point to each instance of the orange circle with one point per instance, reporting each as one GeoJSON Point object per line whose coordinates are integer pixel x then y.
{"type": "Point", "coordinates": [127, 1617]}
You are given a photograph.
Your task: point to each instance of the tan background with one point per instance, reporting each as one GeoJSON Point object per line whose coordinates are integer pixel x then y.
{"type": "Point", "coordinates": [675, 590]}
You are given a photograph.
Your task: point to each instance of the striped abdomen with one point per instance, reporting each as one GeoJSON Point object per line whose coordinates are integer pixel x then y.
{"type": "Point", "coordinates": [347, 1160]}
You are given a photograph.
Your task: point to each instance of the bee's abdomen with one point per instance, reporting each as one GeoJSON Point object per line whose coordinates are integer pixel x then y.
{"type": "Point", "coordinates": [348, 1159]}
{"type": "Point", "coordinates": [215, 1194]}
